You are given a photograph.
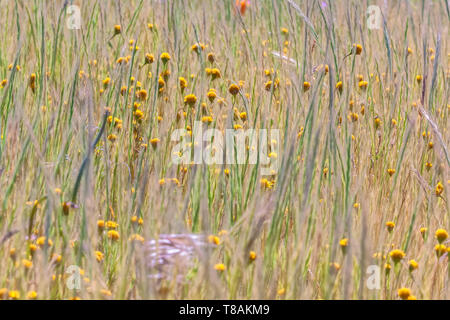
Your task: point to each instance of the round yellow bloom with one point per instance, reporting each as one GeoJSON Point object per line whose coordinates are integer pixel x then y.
{"type": "Point", "coordinates": [363, 84]}
{"type": "Point", "coordinates": [211, 57]}
{"type": "Point", "coordinates": [214, 239]}
{"type": "Point", "coordinates": [358, 48]}
{"type": "Point", "coordinates": [113, 235]}
{"type": "Point", "coordinates": [220, 267]}
{"type": "Point", "coordinates": [423, 231]}
{"type": "Point", "coordinates": [154, 142]}
{"type": "Point", "coordinates": [440, 250]}
{"type": "Point", "coordinates": [197, 47]}
{"type": "Point", "coordinates": [387, 268]}
{"type": "Point", "coordinates": [112, 224]}
{"type": "Point", "coordinates": [397, 255]}
{"type": "Point", "coordinates": [306, 86]}
{"type": "Point", "coordinates": [439, 187]}
{"type": "Point", "coordinates": [252, 255]}
{"type": "Point", "coordinates": [390, 225]}
{"type": "Point", "coordinates": [215, 73]}
{"type": "Point", "coordinates": [211, 95]}
{"type": "Point", "coordinates": [233, 89]}
{"type": "Point", "coordinates": [165, 57]}
{"type": "Point", "coordinates": [117, 29]}
{"type": "Point", "coordinates": [99, 256]}
{"type": "Point", "coordinates": [106, 81]}
{"type": "Point", "coordinates": [207, 119]}
{"type": "Point", "coordinates": [32, 295]}
{"type": "Point", "coordinates": [3, 293]}
{"type": "Point", "coordinates": [149, 58]}
{"type": "Point", "coordinates": [441, 235]}
{"type": "Point", "coordinates": [413, 265]}
{"type": "Point", "coordinates": [101, 224]}
{"type": "Point", "coordinates": [183, 82]}
{"type": "Point", "coordinates": [142, 94]}
{"type": "Point", "coordinates": [14, 294]}
{"type": "Point", "coordinates": [343, 243]}
{"type": "Point", "coordinates": [190, 99]}
{"type": "Point", "coordinates": [161, 83]}
{"type": "Point", "coordinates": [27, 263]}
{"type": "Point", "coordinates": [404, 293]}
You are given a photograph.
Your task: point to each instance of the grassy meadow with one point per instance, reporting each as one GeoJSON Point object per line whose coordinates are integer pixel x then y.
{"type": "Point", "coordinates": [357, 208]}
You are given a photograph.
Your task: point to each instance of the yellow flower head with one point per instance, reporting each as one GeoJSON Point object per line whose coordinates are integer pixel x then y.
{"type": "Point", "coordinates": [106, 82]}
{"type": "Point", "coordinates": [3, 293]}
{"type": "Point", "coordinates": [113, 235]}
{"type": "Point", "coordinates": [14, 294]}
{"type": "Point", "coordinates": [211, 95]}
{"type": "Point", "coordinates": [101, 224]}
{"type": "Point", "coordinates": [404, 293]}
{"type": "Point", "coordinates": [161, 83]}
{"type": "Point", "coordinates": [149, 58]}
{"type": "Point", "coordinates": [215, 73]}
{"type": "Point", "coordinates": [440, 250]}
{"type": "Point", "coordinates": [220, 267]}
{"type": "Point", "coordinates": [32, 82]}
{"type": "Point", "coordinates": [190, 99]}
{"type": "Point", "coordinates": [377, 122]}
{"type": "Point", "coordinates": [112, 224]}
{"type": "Point", "coordinates": [27, 263]}
{"type": "Point", "coordinates": [439, 188]}
{"type": "Point", "coordinates": [32, 295]}
{"type": "Point", "coordinates": [233, 89]}
{"type": "Point", "coordinates": [214, 239]}
{"type": "Point", "coordinates": [363, 84]}
{"type": "Point", "coordinates": [211, 57]}
{"type": "Point", "coordinates": [142, 94]}
{"type": "Point", "coordinates": [197, 47]}
{"type": "Point", "coordinates": [343, 243]}
{"type": "Point", "coordinates": [397, 255]}
{"type": "Point", "coordinates": [207, 119]}
{"type": "Point", "coordinates": [423, 231]}
{"type": "Point", "coordinates": [154, 142]}
{"type": "Point", "coordinates": [413, 265]}
{"type": "Point", "coordinates": [165, 57]}
{"type": "Point", "coordinates": [117, 29]}
{"type": "Point", "coordinates": [41, 241]}
{"type": "Point", "coordinates": [99, 256]}
{"type": "Point", "coordinates": [390, 225]}
{"type": "Point", "coordinates": [112, 137]}
{"type": "Point", "coordinates": [183, 82]}
{"type": "Point", "coordinates": [306, 86]}
{"type": "Point", "coordinates": [441, 235]}
{"type": "Point", "coordinates": [358, 48]}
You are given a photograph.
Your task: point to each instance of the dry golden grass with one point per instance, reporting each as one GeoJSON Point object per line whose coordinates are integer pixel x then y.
{"type": "Point", "coordinates": [86, 156]}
